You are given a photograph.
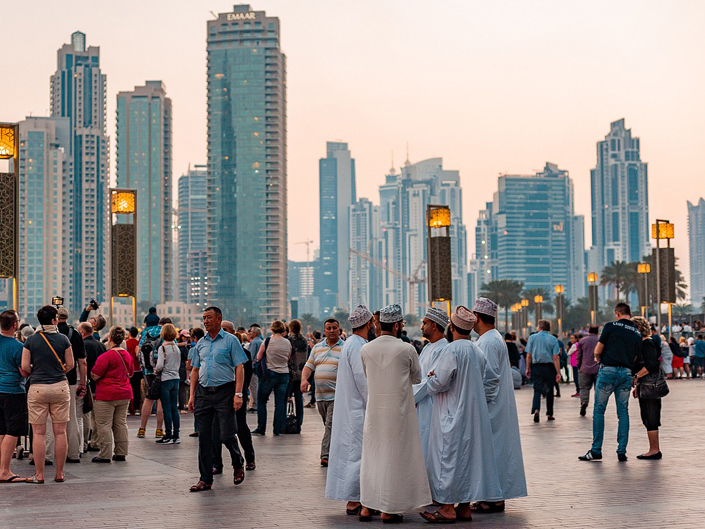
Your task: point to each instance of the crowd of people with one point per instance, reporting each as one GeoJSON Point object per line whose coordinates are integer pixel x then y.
{"type": "Point", "coordinates": [401, 429]}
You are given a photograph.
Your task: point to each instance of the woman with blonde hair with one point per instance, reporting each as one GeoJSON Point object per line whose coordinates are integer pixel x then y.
{"type": "Point", "coordinates": [167, 368]}
{"type": "Point", "coordinates": [113, 392]}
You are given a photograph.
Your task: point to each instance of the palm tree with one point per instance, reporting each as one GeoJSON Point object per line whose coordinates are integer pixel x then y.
{"type": "Point", "coordinates": [546, 305]}
{"type": "Point", "coordinates": [309, 322]}
{"type": "Point", "coordinates": [683, 309]}
{"type": "Point", "coordinates": [622, 275]}
{"type": "Point", "coordinates": [504, 292]}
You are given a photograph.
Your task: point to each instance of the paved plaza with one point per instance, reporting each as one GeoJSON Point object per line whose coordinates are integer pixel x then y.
{"type": "Point", "coordinates": [151, 488]}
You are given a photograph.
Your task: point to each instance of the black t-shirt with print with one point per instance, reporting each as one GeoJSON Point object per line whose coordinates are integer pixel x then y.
{"type": "Point", "coordinates": [622, 344]}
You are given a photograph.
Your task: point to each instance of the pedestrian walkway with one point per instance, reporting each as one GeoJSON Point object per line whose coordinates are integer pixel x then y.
{"type": "Point", "coordinates": [151, 488]}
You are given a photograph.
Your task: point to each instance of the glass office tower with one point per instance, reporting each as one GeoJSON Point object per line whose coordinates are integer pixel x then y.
{"type": "Point", "coordinates": [192, 236]}
{"type": "Point", "coordinates": [246, 189]}
{"type": "Point", "coordinates": [696, 239]}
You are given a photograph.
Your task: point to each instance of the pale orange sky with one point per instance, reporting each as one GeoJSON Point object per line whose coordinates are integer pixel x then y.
{"type": "Point", "coordinates": [492, 87]}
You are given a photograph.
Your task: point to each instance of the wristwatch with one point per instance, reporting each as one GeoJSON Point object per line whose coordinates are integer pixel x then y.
{"type": "Point", "coordinates": [238, 395]}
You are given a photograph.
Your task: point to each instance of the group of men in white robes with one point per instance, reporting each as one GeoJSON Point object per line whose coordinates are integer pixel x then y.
{"type": "Point", "coordinates": [441, 427]}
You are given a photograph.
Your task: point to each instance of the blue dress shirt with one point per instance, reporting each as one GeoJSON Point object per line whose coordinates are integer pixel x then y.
{"type": "Point", "coordinates": [216, 359]}
{"type": "Point", "coordinates": [542, 346]}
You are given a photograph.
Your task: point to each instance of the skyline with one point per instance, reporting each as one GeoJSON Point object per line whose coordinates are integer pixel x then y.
{"type": "Point", "coordinates": [497, 68]}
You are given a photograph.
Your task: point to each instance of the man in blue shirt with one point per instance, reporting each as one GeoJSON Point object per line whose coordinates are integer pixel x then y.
{"type": "Point", "coordinates": [699, 356]}
{"type": "Point", "coordinates": [13, 397]}
{"type": "Point", "coordinates": [543, 367]}
{"type": "Point", "coordinates": [217, 378]}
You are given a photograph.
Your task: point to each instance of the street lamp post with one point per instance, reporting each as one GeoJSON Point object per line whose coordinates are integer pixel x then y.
{"type": "Point", "coordinates": [538, 300]}
{"type": "Point", "coordinates": [440, 274]}
{"type": "Point", "coordinates": [663, 229]}
{"type": "Point", "coordinates": [645, 268]}
{"type": "Point", "coordinates": [524, 316]}
{"type": "Point", "coordinates": [560, 308]}
{"type": "Point", "coordinates": [10, 209]}
{"type": "Point", "coordinates": [592, 297]}
{"type": "Point", "coordinates": [123, 248]}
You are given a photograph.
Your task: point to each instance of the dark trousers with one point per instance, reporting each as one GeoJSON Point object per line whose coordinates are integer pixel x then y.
{"type": "Point", "coordinates": [136, 383]}
{"type": "Point", "coordinates": [215, 404]}
{"type": "Point", "coordinates": [587, 381]}
{"type": "Point", "coordinates": [183, 395]}
{"type": "Point", "coordinates": [278, 383]}
{"type": "Point", "coordinates": [172, 419]}
{"type": "Point", "coordinates": [295, 391]}
{"type": "Point", "coordinates": [544, 377]}
{"type": "Point", "coordinates": [243, 435]}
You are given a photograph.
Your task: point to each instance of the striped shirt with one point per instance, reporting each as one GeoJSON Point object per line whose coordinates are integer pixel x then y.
{"type": "Point", "coordinates": [323, 361]}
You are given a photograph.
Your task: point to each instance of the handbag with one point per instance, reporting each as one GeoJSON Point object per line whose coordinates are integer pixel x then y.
{"type": "Point", "coordinates": [260, 368]}
{"type": "Point", "coordinates": [88, 400]}
{"type": "Point", "coordinates": [292, 422]}
{"type": "Point", "coordinates": [653, 386]}
{"type": "Point", "coordinates": [155, 388]}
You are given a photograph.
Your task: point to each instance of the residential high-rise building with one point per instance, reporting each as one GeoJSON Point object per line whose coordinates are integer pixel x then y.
{"type": "Point", "coordinates": [247, 178]}
{"type": "Point", "coordinates": [144, 135]}
{"type": "Point", "coordinates": [78, 93]}
{"type": "Point", "coordinates": [620, 200]}
{"type": "Point", "coordinates": [365, 277]}
{"type": "Point", "coordinates": [301, 288]}
{"type": "Point", "coordinates": [336, 195]}
{"type": "Point", "coordinates": [403, 201]}
{"type": "Point", "coordinates": [192, 215]}
{"type": "Point", "coordinates": [696, 238]}
{"type": "Point", "coordinates": [45, 169]}
{"type": "Point", "coordinates": [530, 233]}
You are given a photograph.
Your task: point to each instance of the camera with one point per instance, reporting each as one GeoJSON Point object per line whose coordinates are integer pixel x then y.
{"type": "Point", "coordinates": [94, 304]}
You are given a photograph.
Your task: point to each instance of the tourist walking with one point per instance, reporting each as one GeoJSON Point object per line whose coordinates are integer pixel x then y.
{"type": "Point", "coordinates": [113, 392]}
{"type": "Point", "coordinates": [543, 367]}
{"type": "Point", "coordinates": [167, 369]}
{"type": "Point", "coordinates": [393, 476]}
{"type": "Point", "coordinates": [254, 335]}
{"type": "Point", "coordinates": [587, 367]}
{"type": "Point", "coordinates": [47, 356]}
{"type": "Point", "coordinates": [274, 353]}
{"type": "Point", "coordinates": [343, 478]}
{"type": "Point", "coordinates": [648, 368]}
{"type": "Point", "coordinates": [299, 355]}
{"type": "Point", "coordinates": [572, 357]}
{"type": "Point", "coordinates": [616, 350]}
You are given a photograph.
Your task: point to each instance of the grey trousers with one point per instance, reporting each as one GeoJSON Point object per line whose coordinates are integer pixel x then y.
{"type": "Point", "coordinates": [587, 381]}
{"type": "Point", "coordinates": [254, 384]}
{"type": "Point", "coordinates": [325, 408]}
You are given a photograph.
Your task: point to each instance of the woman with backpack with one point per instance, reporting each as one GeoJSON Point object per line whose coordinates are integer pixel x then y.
{"type": "Point", "coordinates": [299, 354]}
{"type": "Point", "coordinates": [167, 368]}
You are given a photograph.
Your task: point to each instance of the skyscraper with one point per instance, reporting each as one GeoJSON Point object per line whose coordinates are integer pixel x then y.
{"type": "Point", "coordinates": [246, 184]}
{"type": "Point", "coordinates": [530, 234]}
{"type": "Point", "coordinates": [696, 238]}
{"type": "Point", "coordinates": [192, 215]}
{"type": "Point", "coordinates": [365, 277]}
{"type": "Point", "coordinates": [620, 201]}
{"type": "Point", "coordinates": [45, 169]}
{"type": "Point", "coordinates": [144, 163]}
{"type": "Point", "coordinates": [78, 93]}
{"type": "Point", "coordinates": [336, 195]}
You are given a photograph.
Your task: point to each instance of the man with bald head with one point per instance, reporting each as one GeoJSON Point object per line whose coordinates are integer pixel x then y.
{"type": "Point", "coordinates": [228, 326]}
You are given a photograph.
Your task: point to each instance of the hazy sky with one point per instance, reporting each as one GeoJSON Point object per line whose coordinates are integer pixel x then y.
{"type": "Point", "coordinates": [492, 87]}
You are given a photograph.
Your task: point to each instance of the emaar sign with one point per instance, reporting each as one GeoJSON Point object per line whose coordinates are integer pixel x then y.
{"type": "Point", "coordinates": [242, 16]}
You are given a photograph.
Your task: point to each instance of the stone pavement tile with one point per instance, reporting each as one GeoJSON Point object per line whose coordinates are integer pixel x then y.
{"type": "Point", "coordinates": [287, 489]}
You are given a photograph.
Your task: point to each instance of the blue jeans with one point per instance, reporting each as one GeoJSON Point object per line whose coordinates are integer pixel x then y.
{"type": "Point", "coordinates": [170, 402]}
{"type": "Point", "coordinates": [617, 380]}
{"type": "Point", "coordinates": [277, 382]}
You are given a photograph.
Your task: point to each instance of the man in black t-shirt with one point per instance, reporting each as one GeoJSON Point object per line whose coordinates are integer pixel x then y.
{"type": "Point", "coordinates": [618, 347]}
{"type": "Point", "coordinates": [77, 386]}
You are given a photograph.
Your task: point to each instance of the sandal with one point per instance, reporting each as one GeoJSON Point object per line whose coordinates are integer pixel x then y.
{"type": "Point", "coordinates": [238, 476]}
{"type": "Point", "coordinates": [201, 486]}
{"type": "Point", "coordinates": [12, 479]}
{"type": "Point", "coordinates": [354, 512]}
{"type": "Point", "coordinates": [436, 517]}
{"type": "Point", "coordinates": [59, 480]}
{"type": "Point", "coordinates": [35, 480]}
{"type": "Point", "coordinates": [483, 507]}
{"type": "Point", "coordinates": [393, 518]}
{"type": "Point", "coordinates": [250, 466]}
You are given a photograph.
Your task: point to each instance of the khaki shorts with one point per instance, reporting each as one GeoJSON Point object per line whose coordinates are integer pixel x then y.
{"type": "Point", "coordinates": [45, 399]}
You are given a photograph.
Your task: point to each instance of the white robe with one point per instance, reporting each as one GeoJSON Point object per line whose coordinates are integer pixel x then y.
{"type": "Point", "coordinates": [343, 480]}
{"type": "Point", "coordinates": [424, 401]}
{"type": "Point", "coordinates": [501, 403]}
{"type": "Point", "coordinates": [392, 475]}
{"type": "Point", "coordinates": [461, 462]}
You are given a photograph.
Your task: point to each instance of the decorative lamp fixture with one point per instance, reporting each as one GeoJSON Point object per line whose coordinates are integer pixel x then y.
{"type": "Point", "coordinates": [592, 277]}
{"type": "Point", "coordinates": [538, 299]}
{"type": "Point", "coordinates": [438, 217]}
{"type": "Point", "coordinates": [7, 142]}
{"type": "Point", "coordinates": [560, 289]}
{"type": "Point", "coordinates": [122, 202]}
{"type": "Point", "coordinates": [663, 230]}
{"type": "Point", "coordinates": [644, 268]}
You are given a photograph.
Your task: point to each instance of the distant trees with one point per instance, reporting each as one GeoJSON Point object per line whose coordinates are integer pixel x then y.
{"type": "Point", "coordinates": [504, 292]}
{"type": "Point", "coordinates": [622, 275]}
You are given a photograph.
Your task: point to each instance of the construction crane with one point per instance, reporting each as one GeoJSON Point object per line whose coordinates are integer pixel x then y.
{"type": "Point", "coordinates": [413, 279]}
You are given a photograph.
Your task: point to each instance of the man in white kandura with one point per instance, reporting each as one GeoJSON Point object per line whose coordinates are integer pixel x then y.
{"type": "Point", "coordinates": [432, 327]}
{"type": "Point", "coordinates": [461, 463]}
{"type": "Point", "coordinates": [343, 480]}
{"type": "Point", "coordinates": [392, 475]}
{"type": "Point", "coordinates": [499, 392]}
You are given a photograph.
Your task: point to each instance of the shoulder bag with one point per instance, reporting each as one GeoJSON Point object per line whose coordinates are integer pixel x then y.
{"type": "Point", "coordinates": [653, 386]}
{"type": "Point", "coordinates": [63, 367]}
{"type": "Point", "coordinates": [155, 388]}
{"type": "Point", "coordinates": [260, 368]}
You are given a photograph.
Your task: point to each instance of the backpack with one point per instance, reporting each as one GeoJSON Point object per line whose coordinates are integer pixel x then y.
{"type": "Point", "coordinates": [149, 349]}
{"type": "Point", "coordinates": [260, 368]}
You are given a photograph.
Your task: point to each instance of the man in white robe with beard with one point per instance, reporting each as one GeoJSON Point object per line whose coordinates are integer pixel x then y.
{"type": "Point", "coordinates": [501, 403]}
{"type": "Point", "coordinates": [343, 480]}
{"type": "Point", "coordinates": [432, 328]}
{"type": "Point", "coordinates": [392, 475]}
{"type": "Point", "coordinates": [461, 463]}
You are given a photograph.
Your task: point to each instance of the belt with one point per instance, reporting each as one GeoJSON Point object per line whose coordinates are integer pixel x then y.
{"type": "Point", "coordinates": [213, 389]}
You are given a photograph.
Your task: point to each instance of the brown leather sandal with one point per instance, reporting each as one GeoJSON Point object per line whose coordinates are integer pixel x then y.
{"type": "Point", "coordinates": [201, 486]}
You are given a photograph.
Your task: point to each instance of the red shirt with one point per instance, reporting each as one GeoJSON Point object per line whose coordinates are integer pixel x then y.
{"type": "Point", "coordinates": [132, 344]}
{"type": "Point", "coordinates": [114, 368]}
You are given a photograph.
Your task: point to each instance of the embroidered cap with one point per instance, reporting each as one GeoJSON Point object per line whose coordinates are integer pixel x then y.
{"type": "Point", "coordinates": [360, 316]}
{"type": "Point", "coordinates": [485, 306]}
{"type": "Point", "coordinates": [438, 316]}
{"type": "Point", "coordinates": [463, 318]}
{"type": "Point", "coordinates": [391, 314]}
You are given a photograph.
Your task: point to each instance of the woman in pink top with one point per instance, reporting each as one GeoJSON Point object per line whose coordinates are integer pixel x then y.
{"type": "Point", "coordinates": [113, 392]}
{"type": "Point", "coordinates": [574, 339]}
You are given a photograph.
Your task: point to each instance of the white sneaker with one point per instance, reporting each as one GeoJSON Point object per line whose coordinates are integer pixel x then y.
{"type": "Point", "coordinates": [176, 441]}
